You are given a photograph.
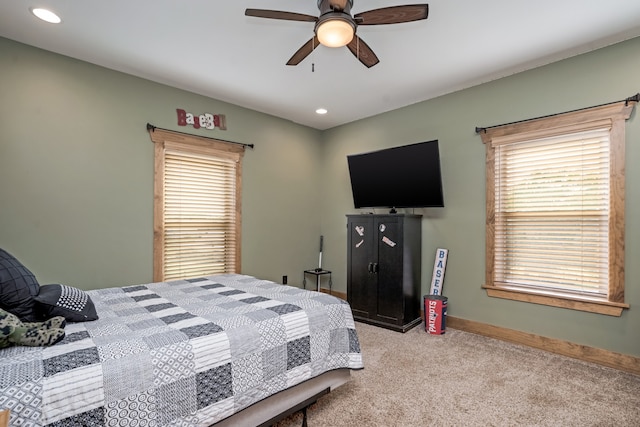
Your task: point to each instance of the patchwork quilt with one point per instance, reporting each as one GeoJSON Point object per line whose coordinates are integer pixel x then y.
{"type": "Point", "coordinates": [181, 353]}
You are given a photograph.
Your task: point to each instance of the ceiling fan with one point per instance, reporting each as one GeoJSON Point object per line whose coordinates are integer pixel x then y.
{"type": "Point", "coordinates": [336, 27]}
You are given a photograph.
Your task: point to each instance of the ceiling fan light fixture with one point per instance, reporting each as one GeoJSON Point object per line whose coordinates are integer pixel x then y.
{"type": "Point", "coordinates": [335, 32]}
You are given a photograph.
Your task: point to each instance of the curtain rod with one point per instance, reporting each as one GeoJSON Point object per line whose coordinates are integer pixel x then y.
{"type": "Point", "coordinates": [152, 128]}
{"type": "Point", "coordinates": [634, 98]}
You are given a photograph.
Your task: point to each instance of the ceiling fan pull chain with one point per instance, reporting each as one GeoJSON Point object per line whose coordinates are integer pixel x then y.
{"type": "Point", "coordinates": [313, 55]}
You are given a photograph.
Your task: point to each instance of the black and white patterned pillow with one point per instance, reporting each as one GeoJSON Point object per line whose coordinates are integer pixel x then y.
{"type": "Point", "coordinates": [73, 304]}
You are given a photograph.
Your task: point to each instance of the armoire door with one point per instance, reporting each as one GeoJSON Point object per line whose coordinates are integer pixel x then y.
{"type": "Point", "coordinates": [362, 279]}
{"type": "Point", "coordinates": [389, 244]}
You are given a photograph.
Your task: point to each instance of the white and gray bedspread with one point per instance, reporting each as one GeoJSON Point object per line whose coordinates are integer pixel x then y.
{"type": "Point", "coordinates": [182, 353]}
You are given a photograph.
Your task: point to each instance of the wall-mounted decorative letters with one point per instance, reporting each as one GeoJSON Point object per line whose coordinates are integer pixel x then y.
{"type": "Point", "coordinates": [206, 120]}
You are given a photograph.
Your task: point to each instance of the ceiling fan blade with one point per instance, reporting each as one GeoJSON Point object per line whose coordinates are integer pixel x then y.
{"type": "Point", "coordinates": [304, 51]}
{"type": "Point", "coordinates": [363, 52]}
{"type": "Point", "coordinates": [393, 14]}
{"type": "Point", "coordinates": [277, 14]}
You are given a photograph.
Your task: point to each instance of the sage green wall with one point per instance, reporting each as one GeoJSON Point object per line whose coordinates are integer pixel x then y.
{"type": "Point", "coordinates": [76, 178]}
{"type": "Point", "coordinates": [76, 173]}
{"type": "Point", "coordinates": [599, 77]}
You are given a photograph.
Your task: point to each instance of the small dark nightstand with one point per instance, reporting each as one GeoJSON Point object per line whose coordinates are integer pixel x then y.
{"type": "Point", "coordinates": [316, 272]}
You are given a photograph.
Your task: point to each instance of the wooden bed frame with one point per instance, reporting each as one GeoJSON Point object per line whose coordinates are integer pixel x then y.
{"type": "Point", "coordinates": [4, 418]}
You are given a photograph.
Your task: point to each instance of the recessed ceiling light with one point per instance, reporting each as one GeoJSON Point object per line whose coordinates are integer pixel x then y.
{"type": "Point", "coordinates": [321, 111]}
{"type": "Point", "coordinates": [46, 15]}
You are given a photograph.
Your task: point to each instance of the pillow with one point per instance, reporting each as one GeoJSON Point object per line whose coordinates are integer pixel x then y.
{"type": "Point", "coordinates": [18, 287]}
{"type": "Point", "coordinates": [73, 304]}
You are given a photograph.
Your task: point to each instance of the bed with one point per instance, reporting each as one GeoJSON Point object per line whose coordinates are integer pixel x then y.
{"type": "Point", "coordinates": [219, 350]}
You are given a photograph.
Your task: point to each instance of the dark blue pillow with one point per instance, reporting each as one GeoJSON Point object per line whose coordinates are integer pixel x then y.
{"type": "Point", "coordinates": [18, 288]}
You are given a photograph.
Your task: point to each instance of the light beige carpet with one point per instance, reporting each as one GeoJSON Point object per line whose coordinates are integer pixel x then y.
{"type": "Point", "coordinates": [463, 379]}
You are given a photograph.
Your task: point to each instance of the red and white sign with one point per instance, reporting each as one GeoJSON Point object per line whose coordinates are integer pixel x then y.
{"type": "Point", "coordinates": [206, 120]}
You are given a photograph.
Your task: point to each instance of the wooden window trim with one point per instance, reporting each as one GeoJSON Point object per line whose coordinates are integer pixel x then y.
{"type": "Point", "coordinates": [613, 116]}
{"type": "Point", "coordinates": [203, 145]}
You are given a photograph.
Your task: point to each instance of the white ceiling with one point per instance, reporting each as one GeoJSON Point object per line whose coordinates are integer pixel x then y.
{"type": "Point", "coordinates": [211, 48]}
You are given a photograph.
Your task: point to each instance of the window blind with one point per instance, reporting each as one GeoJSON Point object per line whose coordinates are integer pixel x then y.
{"type": "Point", "coordinates": [552, 207]}
{"type": "Point", "coordinates": [199, 220]}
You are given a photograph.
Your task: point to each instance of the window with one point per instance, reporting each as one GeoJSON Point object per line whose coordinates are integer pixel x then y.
{"type": "Point", "coordinates": [196, 206]}
{"type": "Point", "coordinates": [555, 210]}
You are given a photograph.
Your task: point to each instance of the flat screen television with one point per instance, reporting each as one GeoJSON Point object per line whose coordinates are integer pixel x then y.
{"type": "Point", "coordinates": [400, 177]}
